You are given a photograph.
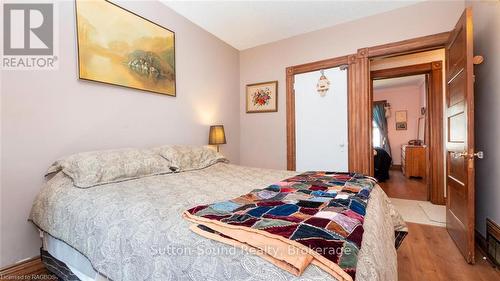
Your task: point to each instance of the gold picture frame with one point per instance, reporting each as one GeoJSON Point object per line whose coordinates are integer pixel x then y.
{"type": "Point", "coordinates": [401, 120]}
{"type": "Point", "coordinates": [262, 97]}
{"type": "Point", "coordinates": [119, 47]}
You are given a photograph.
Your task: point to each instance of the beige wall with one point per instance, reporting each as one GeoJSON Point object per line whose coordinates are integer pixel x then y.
{"type": "Point", "coordinates": [263, 136]}
{"type": "Point", "coordinates": [48, 114]}
{"type": "Point", "coordinates": [487, 104]}
{"type": "Point", "coordinates": [401, 98]}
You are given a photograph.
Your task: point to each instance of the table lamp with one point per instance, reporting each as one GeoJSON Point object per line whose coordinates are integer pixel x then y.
{"type": "Point", "coordinates": [217, 136]}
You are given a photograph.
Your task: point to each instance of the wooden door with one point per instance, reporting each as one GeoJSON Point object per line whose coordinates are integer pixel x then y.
{"type": "Point", "coordinates": [460, 136]}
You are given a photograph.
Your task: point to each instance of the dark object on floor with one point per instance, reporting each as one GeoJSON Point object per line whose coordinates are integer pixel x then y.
{"type": "Point", "coordinates": [400, 236]}
{"type": "Point", "coordinates": [382, 162]}
{"type": "Point", "coordinates": [57, 267]}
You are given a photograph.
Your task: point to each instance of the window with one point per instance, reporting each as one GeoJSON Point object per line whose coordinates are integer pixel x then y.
{"type": "Point", "coordinates": [376, 136]}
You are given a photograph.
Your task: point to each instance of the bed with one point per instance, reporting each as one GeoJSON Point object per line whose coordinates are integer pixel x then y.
{"type": "Point", "coordinates": [132, 229]}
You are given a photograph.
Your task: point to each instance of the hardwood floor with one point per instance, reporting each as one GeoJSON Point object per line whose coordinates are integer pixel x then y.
{"type": "Point", "coordinates": [398, 186]}
{"type": "Point", "coordinates": [32, 269]}
{"type": "Point", "coordinates": [43, 275]}
{"type": "Point", "coordinates": [428, 253]}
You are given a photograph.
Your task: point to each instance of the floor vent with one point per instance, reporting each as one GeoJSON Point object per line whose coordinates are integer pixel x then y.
{"type": "Point", "coordinates": [493, 241]}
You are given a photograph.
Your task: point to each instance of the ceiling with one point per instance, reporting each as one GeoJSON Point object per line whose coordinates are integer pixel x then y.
{"type": "Point", "coordinates": [246, 24]}
{"type": "Point", "coordinates": [407, 81]}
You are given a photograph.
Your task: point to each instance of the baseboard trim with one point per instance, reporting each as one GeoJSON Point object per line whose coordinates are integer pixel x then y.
{"type": "Point", "coordinates": [30, 269]}
{"type": "Point", "coordinates": [481, 241]}
{"type": "Point", "coordinates": [395, 167]}
{"type": "Point", "coordinates": [483, 247]}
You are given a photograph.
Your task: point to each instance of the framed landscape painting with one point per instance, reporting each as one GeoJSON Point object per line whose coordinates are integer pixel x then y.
{"type": "Point", "coordinates": [116, 46]}
{"type": "Point", "coordinates": [262, 97]}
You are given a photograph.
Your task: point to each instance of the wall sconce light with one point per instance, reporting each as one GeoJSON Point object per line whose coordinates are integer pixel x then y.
{"type": "Point", "coordinates": [387, 109]}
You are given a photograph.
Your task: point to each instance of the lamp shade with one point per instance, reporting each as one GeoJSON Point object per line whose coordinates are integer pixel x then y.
{"type": "Point", "coordinates": [216, 135]}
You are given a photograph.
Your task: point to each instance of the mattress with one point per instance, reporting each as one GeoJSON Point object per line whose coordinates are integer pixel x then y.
{"type": "Point", "coordinates": [74, 260]}
{"type": "Point", "coordinates": [133, 230]}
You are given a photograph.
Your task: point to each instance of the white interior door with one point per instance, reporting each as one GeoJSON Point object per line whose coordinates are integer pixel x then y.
{"type": "Point", "coordinates": [321, 122]}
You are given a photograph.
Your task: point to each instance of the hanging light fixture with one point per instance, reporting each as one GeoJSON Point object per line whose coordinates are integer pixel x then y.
{"type": "Point", "coordinates": [323, 84]}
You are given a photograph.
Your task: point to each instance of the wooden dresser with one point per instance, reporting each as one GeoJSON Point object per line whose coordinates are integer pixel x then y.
{"type": "Point", "coordinates": [413, 161]}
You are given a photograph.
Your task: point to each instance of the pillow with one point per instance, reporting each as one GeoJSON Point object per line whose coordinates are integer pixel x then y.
{"type": "Point", "coordinates": [187, 158]}
{"type": "Point", "coordinates": [94, 168]}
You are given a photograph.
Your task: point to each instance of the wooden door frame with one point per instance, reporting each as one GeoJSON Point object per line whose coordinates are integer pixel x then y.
{"type": "Point", "coordinates": [360, 150]}
{"type": "Point", "coordinates": [290, 101]}
{"type": "Point", "coordinates": [360, 129]}
{"type": "Point", "coordinates": [434, 135]}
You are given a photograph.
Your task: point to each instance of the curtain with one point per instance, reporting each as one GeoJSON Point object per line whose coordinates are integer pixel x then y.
{"type": "Point", "coordinates": [381, 121]}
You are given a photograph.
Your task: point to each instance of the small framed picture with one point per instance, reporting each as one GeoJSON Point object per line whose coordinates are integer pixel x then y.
{"type": "Point", "coordinates": [401, 120]}
{"type": "Point", "coordinates": [401, 116]}
{"type": "Point", "coordinates": [262, 97]}
{"type": "Point", "coordinates": [401, 126]}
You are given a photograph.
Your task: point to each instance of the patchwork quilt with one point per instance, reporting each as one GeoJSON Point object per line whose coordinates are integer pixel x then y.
{"type": "Point", "coordinates": [314, 217]}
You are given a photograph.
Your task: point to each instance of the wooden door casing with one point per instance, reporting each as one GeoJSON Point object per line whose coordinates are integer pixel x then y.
{"type": "Point", "coordinates": [290, 101]}
{"type": "Point", "coordinates": [460, 136]}
{"type": "Point", "coordinates": [359, 99]}
{"type": "Point", "coordinates": [434, 136]}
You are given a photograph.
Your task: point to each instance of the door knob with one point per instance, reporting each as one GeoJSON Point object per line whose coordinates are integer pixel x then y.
{"type": "Point", "coordinates": [479, 155]}
{"type": "Point", "coordinates": [458, 154]}
{"type": "Point", "coordinates": [477, 60]}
